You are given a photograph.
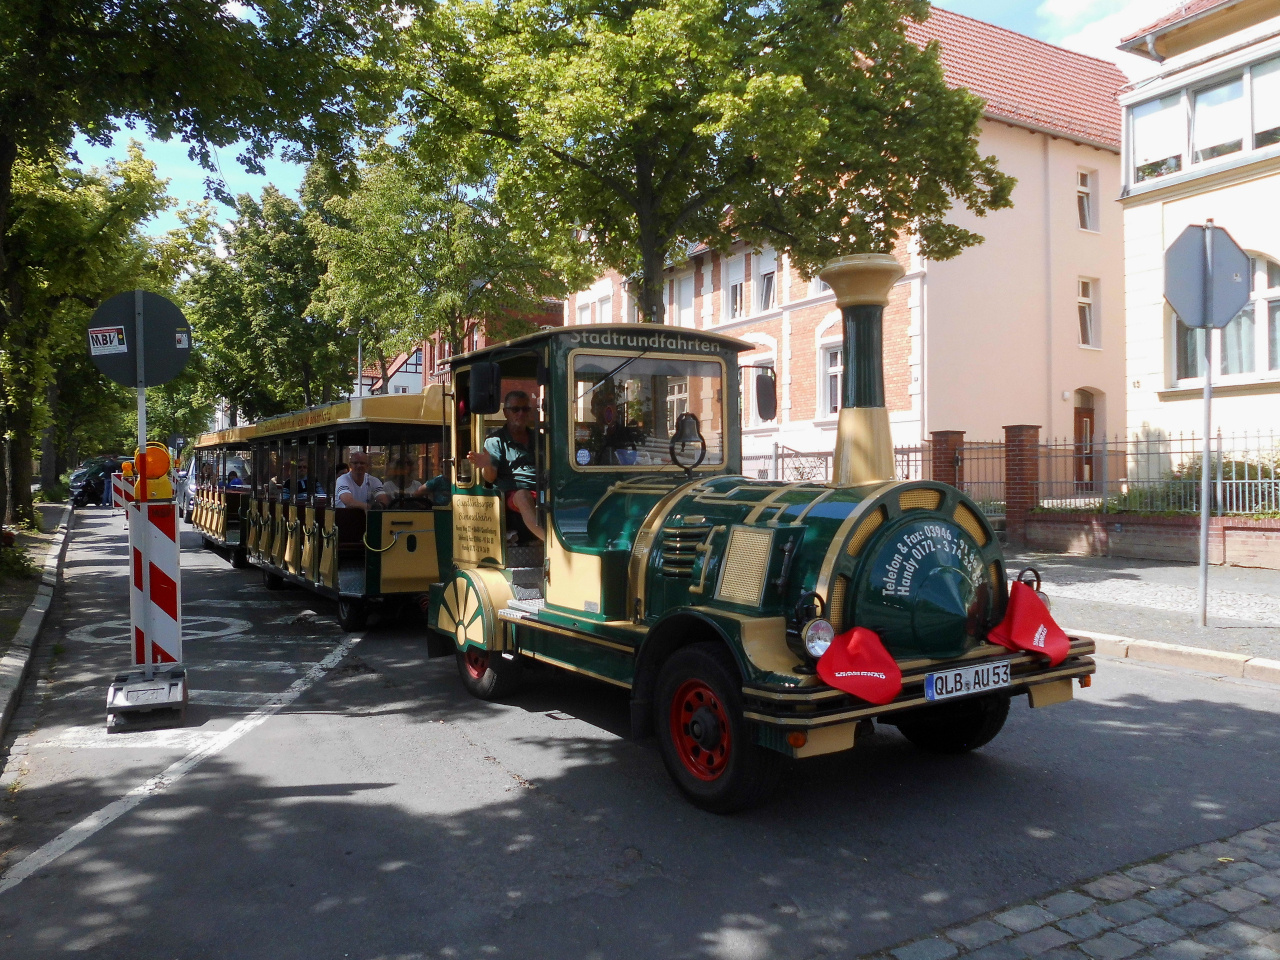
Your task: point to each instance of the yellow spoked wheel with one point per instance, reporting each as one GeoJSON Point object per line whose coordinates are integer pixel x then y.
{"type": "Point", "coordinates": [487, 674]}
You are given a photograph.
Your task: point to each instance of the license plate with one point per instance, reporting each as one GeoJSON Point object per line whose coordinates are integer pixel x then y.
{"type": "Point", "coordinates": [966, 680]}
{"type": "Point", "coordinates": [146, 694]}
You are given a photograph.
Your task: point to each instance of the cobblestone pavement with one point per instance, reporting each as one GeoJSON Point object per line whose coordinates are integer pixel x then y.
{"type": "Point", "coordinates": [1216, 900]}
{"type": "Point", "coordinates": [1153, 600]}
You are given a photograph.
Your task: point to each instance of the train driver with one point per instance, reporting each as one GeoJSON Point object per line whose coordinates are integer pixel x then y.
{"type": "Point", "coordinates": [507, 460]}
{"type": "Point", "coordinates": [357, 488]}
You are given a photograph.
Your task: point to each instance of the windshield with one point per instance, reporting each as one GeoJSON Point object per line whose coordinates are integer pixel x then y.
{"type": "Point", "coordinates": [625, 409]}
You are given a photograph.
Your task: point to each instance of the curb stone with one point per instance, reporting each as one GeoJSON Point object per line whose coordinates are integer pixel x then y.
{"type": "Point", "coordinates": [1175, 926]}
{"type": "Point", "coordinates": [16, 664]}
{"type": "Point", "coordinates": [1237, 666]}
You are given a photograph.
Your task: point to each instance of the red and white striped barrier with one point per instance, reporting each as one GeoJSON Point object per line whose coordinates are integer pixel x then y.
{"type": "Point", "coordinates": [121, 490]}
{"type": "Point", "coordinates": [155, 591]}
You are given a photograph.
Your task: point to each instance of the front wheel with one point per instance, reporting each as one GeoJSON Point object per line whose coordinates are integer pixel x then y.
{"type": "Point", "coordinates": [705, 743]}
{"type": "Point", "coordinates": [272, 581]}
{"type": "Point", "coordinates": [353, 615]}
{"type": "Point", "coordinates": [955, 727]}
{"type": "Point", "coordinates": [486, 675]}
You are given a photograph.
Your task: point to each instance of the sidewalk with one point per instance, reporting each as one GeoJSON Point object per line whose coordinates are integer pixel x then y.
{"type": "Point", "coordinates": [1157, 601]}
{"type": "Point", "coordinates": [1219, 899]}
{"type": "Point", "coordinates": [16, 595]}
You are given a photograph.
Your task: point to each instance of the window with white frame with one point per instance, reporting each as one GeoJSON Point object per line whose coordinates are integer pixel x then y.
{"type": "Point", "coordinates": [1086, 309]}
{"type": "Point", "coordinates": [684, 302]}
{"type": "Point", "coordinates": [1247, 346]}
{"type": "Point", "coordinates": [818, 286]}
{"type": "Point", "coordinates": [604, 310]}
{"type": "Point", "coordinates": [765, 264]}
{"type": "Point", "coordinates": [833, 377]}
{"type": "Point", "coordinates": [750, 412]}
{"type": "Point", "coordinates": [735, 288]}
{"type": "Point", "coordinates": [1222, 117]}
{"type": "Point", "coordinates": [584, 313]}
{"type": "Point", "coordinates": [1085, 205]}
{"type": "Point", "coordinates": [414, 363]}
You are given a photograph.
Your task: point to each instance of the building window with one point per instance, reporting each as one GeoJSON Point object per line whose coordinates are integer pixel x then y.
{"type": "Point", "coordinates": [1159, 137]}
{"type": "Point", "coordinates": [584, 313]}
{"type": "Point", "coordinates": [402, 390]}
{"type": "Point", "coordinates": [735, 289]}
{"type": "Point", "coordinates": [684, 302]}
{"type": "Point", "coordinates": [1086, 307]}
{"type": "Point", "coordinates": [817, 287]}
{"type": "Point", "coordinates": [750, 413]}
{"type": "Point", "coordinates": [677, 398]}
{"type": "Point", "coordinates": [604, 310]}
{"type": "Point", "coordinates": [1084, 199]}
{"type": "Point", "coordinates": [414, 363]}
{"type": "Point", "coordinates": [1266, 103]}
{"type": "Point", "coordinates": [1254, 333]}
{"type": "Point", "coordinates": [768, 298]}
{"type": "Point", "coordinates": [1220, 117]}
{"type": "Point", "coordinates": [834, 377]}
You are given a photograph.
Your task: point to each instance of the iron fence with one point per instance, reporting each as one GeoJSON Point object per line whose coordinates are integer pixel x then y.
{"type": "Point", "coordinates": [1156, 471]}
{"type": "Point", "coordinates": [980, 473]}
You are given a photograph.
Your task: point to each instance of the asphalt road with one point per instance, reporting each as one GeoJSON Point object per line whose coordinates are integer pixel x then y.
{"type": "Point", "coordinates": [384, 814]}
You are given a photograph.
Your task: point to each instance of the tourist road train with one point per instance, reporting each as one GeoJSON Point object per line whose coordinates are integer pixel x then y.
{"type": "Point", "coordinates": [711, 597]}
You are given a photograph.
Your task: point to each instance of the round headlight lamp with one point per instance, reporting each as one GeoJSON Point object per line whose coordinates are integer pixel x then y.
{"type": "Point", "coordinates": [817, 636]}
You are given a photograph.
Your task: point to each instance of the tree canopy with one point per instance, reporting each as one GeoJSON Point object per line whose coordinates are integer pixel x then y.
{"type": "Point", "coordinates": [815, 126]}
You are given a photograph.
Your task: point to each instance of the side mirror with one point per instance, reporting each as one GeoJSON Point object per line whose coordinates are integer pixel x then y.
{"type": "Point", "coordinates": [766, 396]}
{"type": "Point", "coordinates": [485, 393]}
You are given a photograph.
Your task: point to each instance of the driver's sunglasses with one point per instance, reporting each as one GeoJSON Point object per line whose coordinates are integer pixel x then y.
{"type": "Point", "coordinates": [523, 409]}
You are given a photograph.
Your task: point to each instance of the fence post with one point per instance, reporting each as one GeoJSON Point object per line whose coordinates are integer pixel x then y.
{"type": "Point", "coordinates": [948, 456]}
{"type": "Point", "coordinates": [1106, 455]}
{"type": "Point", "coordinates": [776, 474]}
{"type": "Point", "coordinates": [1021, 478]}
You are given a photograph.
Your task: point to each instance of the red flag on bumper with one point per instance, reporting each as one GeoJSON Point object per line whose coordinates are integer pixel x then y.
{"type": "Point", "coordinates": [857, 663]}
{"type": "Point", "coordinates": [1027, 625]}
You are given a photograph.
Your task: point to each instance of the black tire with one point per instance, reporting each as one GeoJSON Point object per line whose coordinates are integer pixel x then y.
{"type": "Point", "coordinates": [353, 615]}
{"type": "Point", "coordinates": [239, 560]}
{"type": "Point", "coordinates": [272, 581]}
{"type": "Point", "coordinates": [955, 727]}
{"type": "Point", "coordinates": [719, 773]}
{"type": "Point", "coordinates": [488, 676]}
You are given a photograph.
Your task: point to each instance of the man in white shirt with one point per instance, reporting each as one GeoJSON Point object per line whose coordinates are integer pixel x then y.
{"type": "Point", "coordinates": [357, 488]}
{"type": "Point", "coordinates": [400, 483]}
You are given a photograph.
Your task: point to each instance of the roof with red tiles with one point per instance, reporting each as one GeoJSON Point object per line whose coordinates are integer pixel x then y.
{"type": "Point", "coordinates": [1180, 12]}
{"type": "Point", "coordinates": [1025, 81]}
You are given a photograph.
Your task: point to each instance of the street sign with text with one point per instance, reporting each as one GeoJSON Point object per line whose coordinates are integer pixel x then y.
{"type": "Point", "coordinates": [114, 339]}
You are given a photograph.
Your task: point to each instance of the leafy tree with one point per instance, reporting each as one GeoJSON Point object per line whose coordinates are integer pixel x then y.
{"type": "Point", "coordinates": [77, 242]}
{"type": "Point", "coordinates": [812, 125]}
{"type": "Point", "coordinates": [418, 250]}
{"type": "Point", "coordinates": [264, 353]}
{"type": "Point", "coordinates": [215, 73]}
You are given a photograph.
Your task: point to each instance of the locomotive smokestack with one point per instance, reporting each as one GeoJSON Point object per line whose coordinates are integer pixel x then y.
{"type": "Point", "coordinates": [864, 445]}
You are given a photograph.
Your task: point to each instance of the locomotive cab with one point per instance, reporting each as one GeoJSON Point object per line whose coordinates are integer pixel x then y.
{"type": "Point", "coordinates": [712, 597]}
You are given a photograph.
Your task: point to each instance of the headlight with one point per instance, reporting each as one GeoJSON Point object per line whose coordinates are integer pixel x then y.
{"type": "Point", "coordinates": [817, 636]}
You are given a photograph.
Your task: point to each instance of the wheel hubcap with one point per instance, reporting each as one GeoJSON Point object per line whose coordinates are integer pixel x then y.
{"type": "Point", "coordinates": [700, 730]}
{"type": "Point", "coordinates": [477, 663]}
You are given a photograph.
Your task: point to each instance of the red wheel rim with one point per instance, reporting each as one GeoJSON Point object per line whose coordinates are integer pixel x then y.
{"type": "Point", "coordinates": [477, 662]}
{"type": "Point", "coordinates": [700, 730]}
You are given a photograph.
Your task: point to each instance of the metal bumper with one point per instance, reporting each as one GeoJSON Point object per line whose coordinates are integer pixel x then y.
{"type": "Point", "coordinates": [807, 708]}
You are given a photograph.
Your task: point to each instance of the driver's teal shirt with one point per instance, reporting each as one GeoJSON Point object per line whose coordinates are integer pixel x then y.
{"type": "Point", "coordinates": [514, 462]}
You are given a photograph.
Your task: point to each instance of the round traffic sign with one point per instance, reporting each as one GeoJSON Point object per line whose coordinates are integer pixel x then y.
{"type": "Point", "coordinates": [113, 340]}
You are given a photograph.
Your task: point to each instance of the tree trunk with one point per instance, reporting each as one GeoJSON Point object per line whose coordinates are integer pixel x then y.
{"type": "Point", "coordinates": [49, 442]}
{"type": "Point", "coordinates": [21, 509]}
{"type": "Point", "coordinates": [649, 294]}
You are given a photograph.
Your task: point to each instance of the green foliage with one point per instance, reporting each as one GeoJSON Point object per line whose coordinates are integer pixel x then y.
{"type": "Point", "coordinates": [262, 351]}
{"type": "Point", "coordinates": [15, 564]}
{"type": "Point", "coordinates": [415, 250]}
{"type": "Point", "coordinates": [815, 126]}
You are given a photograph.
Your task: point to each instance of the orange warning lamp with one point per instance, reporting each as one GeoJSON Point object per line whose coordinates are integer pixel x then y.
{"type": "Point", "coordinates": [155, 466]}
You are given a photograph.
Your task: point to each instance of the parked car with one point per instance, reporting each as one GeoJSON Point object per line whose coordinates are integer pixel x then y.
{"type": "Point", "coordinates": [91, 484]}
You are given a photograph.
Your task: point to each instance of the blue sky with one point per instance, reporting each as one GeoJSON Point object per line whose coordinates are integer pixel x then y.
{"type": "Point", "coordinates": [1090, 26]}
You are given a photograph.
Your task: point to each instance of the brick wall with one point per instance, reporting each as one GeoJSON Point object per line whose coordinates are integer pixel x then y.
{"type": "Point", "coordinates": [1235, 541]}
{"type": "Point", "coordinates": [948, 464]}
{"type": "Point", "coordinates": [1021, 478]}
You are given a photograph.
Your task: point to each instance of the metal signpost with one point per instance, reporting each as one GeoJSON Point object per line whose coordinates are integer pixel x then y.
{"type": "Point", "coordinates": [140, 339]}
{"type": "Point", "coordinates": [1206, 281]}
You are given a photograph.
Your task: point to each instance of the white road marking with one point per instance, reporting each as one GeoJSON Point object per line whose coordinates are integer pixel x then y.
{"type": "Point", "coordinates": [193, 628]}
{"type": "Point", "coordinates": [208, 698]}
{"type": "Point", "coordinates": [72, 837]}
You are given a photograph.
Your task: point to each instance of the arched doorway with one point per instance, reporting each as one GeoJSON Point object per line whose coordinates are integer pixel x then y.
{"type": "Point", "coordinates": [1085, 424]}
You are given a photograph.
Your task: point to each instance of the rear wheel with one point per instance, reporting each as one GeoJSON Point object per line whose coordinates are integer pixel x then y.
{"type": "Point", "coordinates": [705, 743]}
{"type": "Point", "coordinates": [353, 615]}
{"type": "Point", "coordinates": [956, 727]}
{"type": "Point", "coordinates": [239, 560]}
{"type": "Point", "coordinates": [272, 581]}
{"type": "Point", "coordinates": [487, 675]}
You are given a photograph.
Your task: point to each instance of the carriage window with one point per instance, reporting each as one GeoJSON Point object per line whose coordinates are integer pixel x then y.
{"type": "Point", "coordinates": [625, 408]}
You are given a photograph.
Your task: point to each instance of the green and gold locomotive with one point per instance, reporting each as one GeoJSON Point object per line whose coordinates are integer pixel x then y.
{"type": "Point", "coordinates": [709, 596]}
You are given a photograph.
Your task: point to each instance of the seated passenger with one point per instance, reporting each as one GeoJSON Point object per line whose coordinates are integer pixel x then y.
{"type": "Point", "coordinates": [303, 485]}
{"type": "Point", "coordinates": [507, 460]}
{"type": "Point", "coordinates": [233, 479]}
{"type": "Point", "coordinates": [400, 483]}
{"type": "Point", "coordinates": [356, 488]}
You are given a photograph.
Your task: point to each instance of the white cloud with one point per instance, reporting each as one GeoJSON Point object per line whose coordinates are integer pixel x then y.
{"type": "Point", "coordinates": [1096, 26]}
